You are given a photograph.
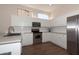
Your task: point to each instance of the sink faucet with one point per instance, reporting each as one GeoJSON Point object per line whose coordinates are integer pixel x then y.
{"type": "Point", "coordinates": [10, 29]}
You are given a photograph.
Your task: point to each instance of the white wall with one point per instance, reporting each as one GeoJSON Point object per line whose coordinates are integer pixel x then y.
{"type": "Point", "coordinates": [5, 15]}
{"type": "Point", "coordinates": [61, 9]}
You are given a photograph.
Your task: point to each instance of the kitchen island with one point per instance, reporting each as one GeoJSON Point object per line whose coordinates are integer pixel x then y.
{"type": "Point", "coordinates": [10, 45]}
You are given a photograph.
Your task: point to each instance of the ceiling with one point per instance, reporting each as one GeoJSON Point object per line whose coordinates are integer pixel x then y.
{"type": "Point", "coordinates": [52, 7]}
{"type": "Point", "coordinates": [55, 9]}
{"type": "Point", "coordinates": [44, 7]}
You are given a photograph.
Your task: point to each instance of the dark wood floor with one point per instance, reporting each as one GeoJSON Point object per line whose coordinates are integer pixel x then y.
{"type": "Point", "coordinates": [47, 48]}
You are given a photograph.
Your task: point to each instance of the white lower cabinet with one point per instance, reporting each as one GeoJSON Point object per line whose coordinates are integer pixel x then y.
{"type": "Point", "coordinates": [46, 37]}
{"type": "Point", "coordinates": [12, 48]}
{"type": "Point", "coordinates": [27, 39]}
{"type": "Point", "coordinates": [58, 39]}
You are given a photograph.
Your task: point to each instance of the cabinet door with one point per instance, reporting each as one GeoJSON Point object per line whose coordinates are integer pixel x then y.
{"type": "Point", "coordinates": [44, 37]}
{"type": "Point", "coordinates": [13, 48]}
{"type": "Point", "coordinates": [59, 39]}
{"type": "Point", "coordinates": [47, 37]}
{"type": "Point", "coordinates": [72, 35]}
{"type": "Point", "coordinates": [27, 39]}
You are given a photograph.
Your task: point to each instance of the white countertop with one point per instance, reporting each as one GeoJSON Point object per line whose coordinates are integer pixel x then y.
{"type": "Point", "coordinates": [14, 39]}
{"type": "Point", "coordinates": [9, 39]}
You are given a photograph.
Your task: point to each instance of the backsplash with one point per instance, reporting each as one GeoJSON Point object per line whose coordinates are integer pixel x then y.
{"type": "Point", "coordinates": [44, 30]}
{"type": "Point", "coordinates": [23, 29]}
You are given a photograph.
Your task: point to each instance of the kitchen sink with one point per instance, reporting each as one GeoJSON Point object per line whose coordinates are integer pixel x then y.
{"type": "Point", "coordinates": [12, 34]}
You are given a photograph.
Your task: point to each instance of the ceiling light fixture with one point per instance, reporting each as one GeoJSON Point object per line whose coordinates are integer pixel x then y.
{"type": "Point", "coordinates": [50, 4]}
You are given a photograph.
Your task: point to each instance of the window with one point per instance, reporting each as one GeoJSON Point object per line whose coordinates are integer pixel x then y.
{"type": "Point", "coordinates": [42, 16]}
{"type": "Point", "coordinates": [24, 12]}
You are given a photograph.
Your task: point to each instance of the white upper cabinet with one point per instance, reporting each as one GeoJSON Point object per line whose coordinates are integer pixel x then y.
{"type": "Point", "coordinates": [27, 21]}
{"type": "Point", "coordinates": [59, 21]}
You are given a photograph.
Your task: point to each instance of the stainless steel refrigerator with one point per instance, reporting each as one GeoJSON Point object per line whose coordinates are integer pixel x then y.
{"type": "Point", "coordinates": [73, 35]}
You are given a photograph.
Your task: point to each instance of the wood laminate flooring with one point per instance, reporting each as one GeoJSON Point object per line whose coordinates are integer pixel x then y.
{"type": "Point", "coordinates": [47, 48]}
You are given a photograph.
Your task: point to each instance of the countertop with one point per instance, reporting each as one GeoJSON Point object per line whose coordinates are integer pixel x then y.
{"type": "Point", "coordinates": [9, 39]}
{"type": "Point", "coordinates": [14, 39]}
{"type": "Point", "coordinates": [46, 32]}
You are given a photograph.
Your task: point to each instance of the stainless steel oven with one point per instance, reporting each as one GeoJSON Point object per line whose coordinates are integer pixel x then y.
{"type": "Point", "coordinates": [37, 35]}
